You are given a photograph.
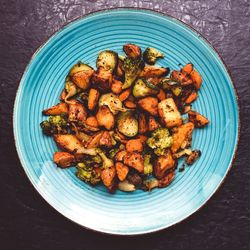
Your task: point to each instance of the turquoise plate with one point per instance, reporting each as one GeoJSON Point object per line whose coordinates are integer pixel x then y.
{"type": "Point", "coordinates": [138, 212]}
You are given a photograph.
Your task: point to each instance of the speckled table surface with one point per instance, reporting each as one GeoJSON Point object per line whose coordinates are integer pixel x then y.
{"type": "Point", "coordinates": [28, 222]}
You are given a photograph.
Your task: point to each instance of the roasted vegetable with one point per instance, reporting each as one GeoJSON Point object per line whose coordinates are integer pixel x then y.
{"type": "Point", "coordinates": [92, 121]}
{"type": "Point", "coordinates": [187, 69]}
{"type": "Point", "coordinates": [169, 113]}
{"type": "Point", "coordinates": [116, 86]}
{"type": "Point", "coordinates": [113, 102]}
{"type": "Point", "coordinates": [197, 119]}
{"type": "Point", "coordinates": [108, 176]}
{"type": "Point", "coordinates": [71, 90]}
{"type": "Point", "coordinates": [152, 124]}
{"type": "Point", "coordinates": [88, 174]}
{"type": "Point", "coordinates": [106, 140]}
{"type": "Point", "coordinates": [122, 170]}
{"type": "Point", "coordinates": [127, 124]}
{"type": "Point", "coordinates": [153, 71]}
{"type": "Point", "coordinates": [129, 104]}
{"type": "Point", "coordinates": [132, 68]}
{"type": "Point", "coordinates": [182, 78]}
{"type": "Point", "coordinates": [193, 157]}
{"type": "Point", "coordinates": [59, 109]}
{"type": "Point", "coordinates": [107, 60]}
{"type": "Point", "coordinates": [124, 95]}
{"type": "Point", "coordinates": [149, 104]}
{"type": "Point", "coordinates": [105, 117]}
{"type": "Point", "coordinates": [102, 79]}
{"type": "Point", "coordinates": [135, 179]}
{"type": "Point", "coordinates": [132, 50]}
{"type": "Point", "coordinates": [77, 112]}
{"type": "Point", "coordinates": [93, 98]}
{"type": "Point", "coordinates": [181, 135]}
{"type": "Point", "coordinates": [80, 74]}
{"type": "Point", "coordinates": [63, 159]}
{"type": "Point", "coordinates": [148, 167]}
{"type": "Point", "coordinates": [150, 55]}
{"type": "Point", "coordinates": [143, 88]}
{"type": "Point", "coordinates": [160, 140]}
{"type": "Point", "coordinates": [163, 164]}
{"type": "Point", "coordinates": [134, 145]}
{"type": "Point", "coordinates": [126, 186]}
{"type": "Point", "coordinates": [196, 78]}
{"type": "Point", "coordinates": [142, 123]}
{"type": "Point", "coordinates": [191, 97]}
{"type": "Point", "coordinates": [68, 142]}
{"type": "Point", "coordinates": [134, 160]}
{"type": "Point", "coordinates": [54, 125]}
{"type": "Point", "coordinates": [106, 162]}
{"type": "Point", "coordinates": [120, 155]}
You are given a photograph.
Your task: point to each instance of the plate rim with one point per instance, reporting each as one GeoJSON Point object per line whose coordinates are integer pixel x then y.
{"type": "Point", "coordinates": [142, 10]}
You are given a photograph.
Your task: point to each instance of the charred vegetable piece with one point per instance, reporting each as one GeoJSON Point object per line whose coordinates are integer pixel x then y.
{"type": "Point", "coordinates": [150, 184]}
{"type": "Point", "coordinates": [129, 104]}
{"type": "Point", "coordinates": [152, 124]}
{"type": "Point", "coordinates": [92, 122]}
{"type": "Point", "coordinates": [197, 119]}
{"type": "Point", "coordinates": [142, 122]}
{"type": "Point", "coordinates": [59, 109]}
{"type": "Point", "coordinates": [166, 180]}
{"type": "Point", "coordinates": [135, 179]}
{"type": "Point", "coordinates": [196, 78]}
{"type": "Point", "coordinates": [191, 97]}
{"type": "Point", "coordinates": [116, 86]}
{"type": "Point", "coordinates": [143, 88]}
{"type": "Point", "coordinates": [105, 117]}
{"type": "Point", "coordinates": [102, 79]}
{"type": "Point", "coordinates": [68, 142]}
{"type": "Point", "coordinates": [94, 141]}
{"type": "Point", "coordinates": [119, 72]}
{"type": "Point", "coordinates": [187, 69]}
{"type": "Point", "coordinates": [181, 135]}
{"type": "Point", "coordinates": [132, 50]}
{"type": "Point", "coordinates": [150, 55]}
{"type": "Point", "coordinates": [132, 68]}
{"type": "Point", "coordinates": [107, 60]}
{"type": "Point", "coordinates": [88, 174]}
{"type": "Point", "coordinates": [169, 113]}
{"type": "Point", "coordinates": [134, 145]}
{"type": "Point", "coordinates": [71, 90]}
{"type": "Point", "coordinates": [127, 124]}
{"type": "Point", "coordinates": [106, 162]}
{"type": "Point", "coordinates": [77, 112]}
{"type": "Point", "coordinates": [113, 102]}
{"type": "Point", "coordinates": [134, 160]}
{"type": "Point", "coordinates": [108, 176]}
{"type": "Point", "coordinates": [122, 170]}
{"type": "Point", "coordinates": [163, 164]}
{"type": "Point", "coordinates": [93, 98]}
{"type": "Point", "coordinates": [55, 125]}
{"type": "Point", "coordinates": [120, 155]}
{"type": "Point", "coordinates": [149, 104]}
{"type": "Point", "coordinates": [161, 95]}
{"type": "Point", "coordinates": [153, 71]}
{"type": "Point", "coordinates": [80, 74]}
{"type": "Point", "coordinates": [182, 78]}
{"type": "Point", "coordinates": [124, 95]}
{"type": "Point", "coordinates": [106, 140]}
{"type": "Point", "coordinates": [148, 167]}
{"type": "Point", "coordinates": [193, 157]}
{"type": "Point", "coordinates": [63, 159]}
{"type": "Point", "coordinates": [160, 140]}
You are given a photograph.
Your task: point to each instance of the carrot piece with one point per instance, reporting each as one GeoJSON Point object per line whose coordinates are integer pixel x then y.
{"type": "Point", "coordinates": [122, 171]}
{"type": "Point", "coordinates": [93, 98]}
{"type": "Point", "coordinates": [188, 68]}
{"type": "Point", "coordinates": [108, 176]}
{"type": "Point", "coordinates": [129, 104]}
{"type": "Point", "coordinates": [152, 123]}
{"type": "Point", "coordinates": [196, 78]}
{"type": "Point", "coordinates": [124, 95]}
{"type": "Point", "coordinates": [150, 105]}
{"type": "Point", "coordinates": [59, 109]}
{"type": "Point", "coordinates": [134, 145]}
{"type": "Point", "coordinates": [116, 86]}
{"type": "Point", "coordinates": [161, 95]}
{"type": "Point", "coordinates": [142, 123]}
{"type": "Point", "coordinates": [192, 97]}
{"type": "Point", "coordinates": [63, 159]}
{"type": "Point", "coordinates": [197, 119]}
{"type": "Point", "coordinates": [92, 121]}
{"type": "Point", "coordinates": [63, 95]}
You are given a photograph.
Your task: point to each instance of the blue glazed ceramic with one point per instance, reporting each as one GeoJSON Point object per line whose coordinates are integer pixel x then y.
{"type": "Point", "coordinates": [138, 212]}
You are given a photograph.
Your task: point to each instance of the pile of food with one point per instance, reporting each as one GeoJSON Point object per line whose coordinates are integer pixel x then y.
{"type": "Point", "coordinates": [122, 125]}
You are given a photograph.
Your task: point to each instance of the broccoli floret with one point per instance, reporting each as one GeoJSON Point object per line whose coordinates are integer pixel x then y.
{"type": "Point", "coordinates": [160, 140]}
{"type": "Point", "coordinates": [92, 160]}
{"type": "Point", "coordinates": [46, 127]}
{"type": "Point", "coordinates": [148, 167]}
{"type": "Point", "coordinates": [150, 55]}
{"type": "Point", "coordinates": [106, 162]}
{"type": "Point", "coordinates": [132, 68]}
{"type": "Point", "coordinates": [54, 125]}
{"type": "Point", "coordinates": [88, 173]}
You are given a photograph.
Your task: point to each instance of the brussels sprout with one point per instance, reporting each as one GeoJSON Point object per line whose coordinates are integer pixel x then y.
{"type": "Point", "coordinates": [107, 59]}
{"type": "Point", "coordinates": [143, 88]}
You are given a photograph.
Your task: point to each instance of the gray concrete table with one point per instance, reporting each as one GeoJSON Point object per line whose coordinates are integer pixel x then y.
{"type": "Point", "coordinates": [28, 222]}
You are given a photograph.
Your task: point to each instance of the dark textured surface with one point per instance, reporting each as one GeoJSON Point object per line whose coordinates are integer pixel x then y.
{"type": "Point", "coordinates": [28, 222]}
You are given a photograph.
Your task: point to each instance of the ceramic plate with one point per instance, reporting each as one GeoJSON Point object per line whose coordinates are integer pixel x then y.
{"type": "Point", "coordinates": [138, 212]}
